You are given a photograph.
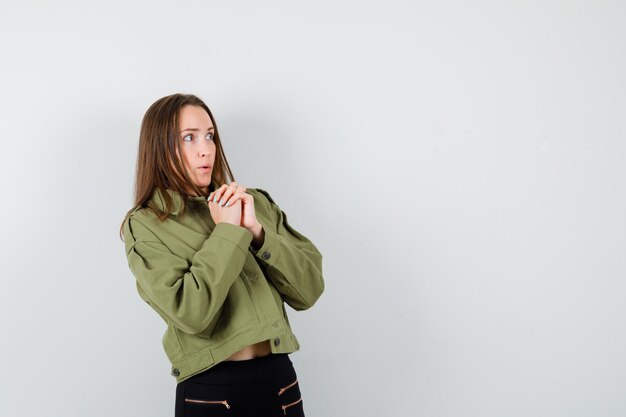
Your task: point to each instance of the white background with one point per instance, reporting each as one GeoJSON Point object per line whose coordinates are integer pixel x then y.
{"type": "Point", "coordinates": [459, 164]}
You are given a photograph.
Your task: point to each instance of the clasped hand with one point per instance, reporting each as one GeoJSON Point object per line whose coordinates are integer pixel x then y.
{"type": "Point", "coordinates": [231, 204]}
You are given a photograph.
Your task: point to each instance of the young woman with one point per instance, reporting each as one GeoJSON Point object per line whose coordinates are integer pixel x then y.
{"type": "Point", "coordinates": [217, 261]}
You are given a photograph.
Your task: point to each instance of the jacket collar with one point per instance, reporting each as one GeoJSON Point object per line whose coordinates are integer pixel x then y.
{"type": "Point", "coordinates": [157, 200]}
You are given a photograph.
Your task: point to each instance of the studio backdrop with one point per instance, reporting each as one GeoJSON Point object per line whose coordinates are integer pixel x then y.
{"type": "Point", "coordinates": [460, 166]}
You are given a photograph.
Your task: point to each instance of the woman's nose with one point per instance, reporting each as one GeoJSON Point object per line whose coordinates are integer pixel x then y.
{"type": "Point", "coordinates": [203, 151]}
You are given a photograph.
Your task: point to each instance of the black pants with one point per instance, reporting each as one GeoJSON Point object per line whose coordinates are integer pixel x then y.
{"type": "Point", "coordinates": [260, 387]}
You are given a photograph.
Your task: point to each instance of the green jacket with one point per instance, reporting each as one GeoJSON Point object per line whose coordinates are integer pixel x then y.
{"type": "Point", "coordinates": [216, 293]}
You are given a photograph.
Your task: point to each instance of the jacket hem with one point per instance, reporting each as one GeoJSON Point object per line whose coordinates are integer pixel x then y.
{"type": "Point", "coordinates": [282, 340]}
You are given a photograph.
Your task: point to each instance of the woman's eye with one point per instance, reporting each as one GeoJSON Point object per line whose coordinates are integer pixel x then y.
{"type": "Point", "coordinates": [209, 136]}
{"type": "Point", "coordinates": [188, 138]}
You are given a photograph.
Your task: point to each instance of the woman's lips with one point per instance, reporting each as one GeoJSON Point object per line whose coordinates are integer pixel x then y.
{"type": "Point", "coordinates": [205, 168]}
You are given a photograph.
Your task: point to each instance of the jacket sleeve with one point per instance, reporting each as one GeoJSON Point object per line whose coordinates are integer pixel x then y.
{"type": "Point", "coordinates": [291, 261]}
{"type": "Point", "coordinates": [191, 296]}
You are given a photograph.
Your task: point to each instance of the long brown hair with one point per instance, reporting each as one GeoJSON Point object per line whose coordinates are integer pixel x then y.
{"type": "Point", "coordinates": [158, 165]}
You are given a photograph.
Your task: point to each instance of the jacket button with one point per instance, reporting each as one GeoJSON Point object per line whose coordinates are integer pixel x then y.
{"type": "Point", "coordinates": [277, 341]}
{"type": "Point", "coordinates": [266, 255]}
{"type": "Point", "coordinates": [175, 372]}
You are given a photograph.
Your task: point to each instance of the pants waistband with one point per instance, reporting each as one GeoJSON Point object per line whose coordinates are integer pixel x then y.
{"type": "Point", "coordinates": [228, 371]}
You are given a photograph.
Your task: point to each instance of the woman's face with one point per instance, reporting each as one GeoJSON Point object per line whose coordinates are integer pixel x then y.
{"type": "Point", "coordinates": [197, 145]}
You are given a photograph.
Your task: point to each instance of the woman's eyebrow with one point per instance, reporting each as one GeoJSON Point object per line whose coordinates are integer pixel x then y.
{"type": "Point", "coordinates": [195, 129]}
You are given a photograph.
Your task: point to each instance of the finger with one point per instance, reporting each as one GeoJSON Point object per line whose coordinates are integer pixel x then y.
{"type": "Point", "coordinates": [227, 194]}
{"type": "Point", "coordinates": [221, 196]}
{"type": "Point", "coordinates": [212, 198]}
{"type": "Point", "coordinates": [237, 187]}
{"type": "Point", "coordinates": [245, 197]}
{"type": "Point", "coordinates": [217, 194]}
{"type": "Point", "coordinates": [240, 189]}
{"type": "Point", "coordinates": [232, 189]}
{"type": "Point", "coordinates": [239, 196]}
{"type": "Point", "coordinates": [231, 199]}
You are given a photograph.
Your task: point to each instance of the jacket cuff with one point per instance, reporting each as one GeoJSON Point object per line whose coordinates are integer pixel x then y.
{"type": "Point", "coordinates": [270, 250]}
{"type": "Point", "coordinates": [238, 235]}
